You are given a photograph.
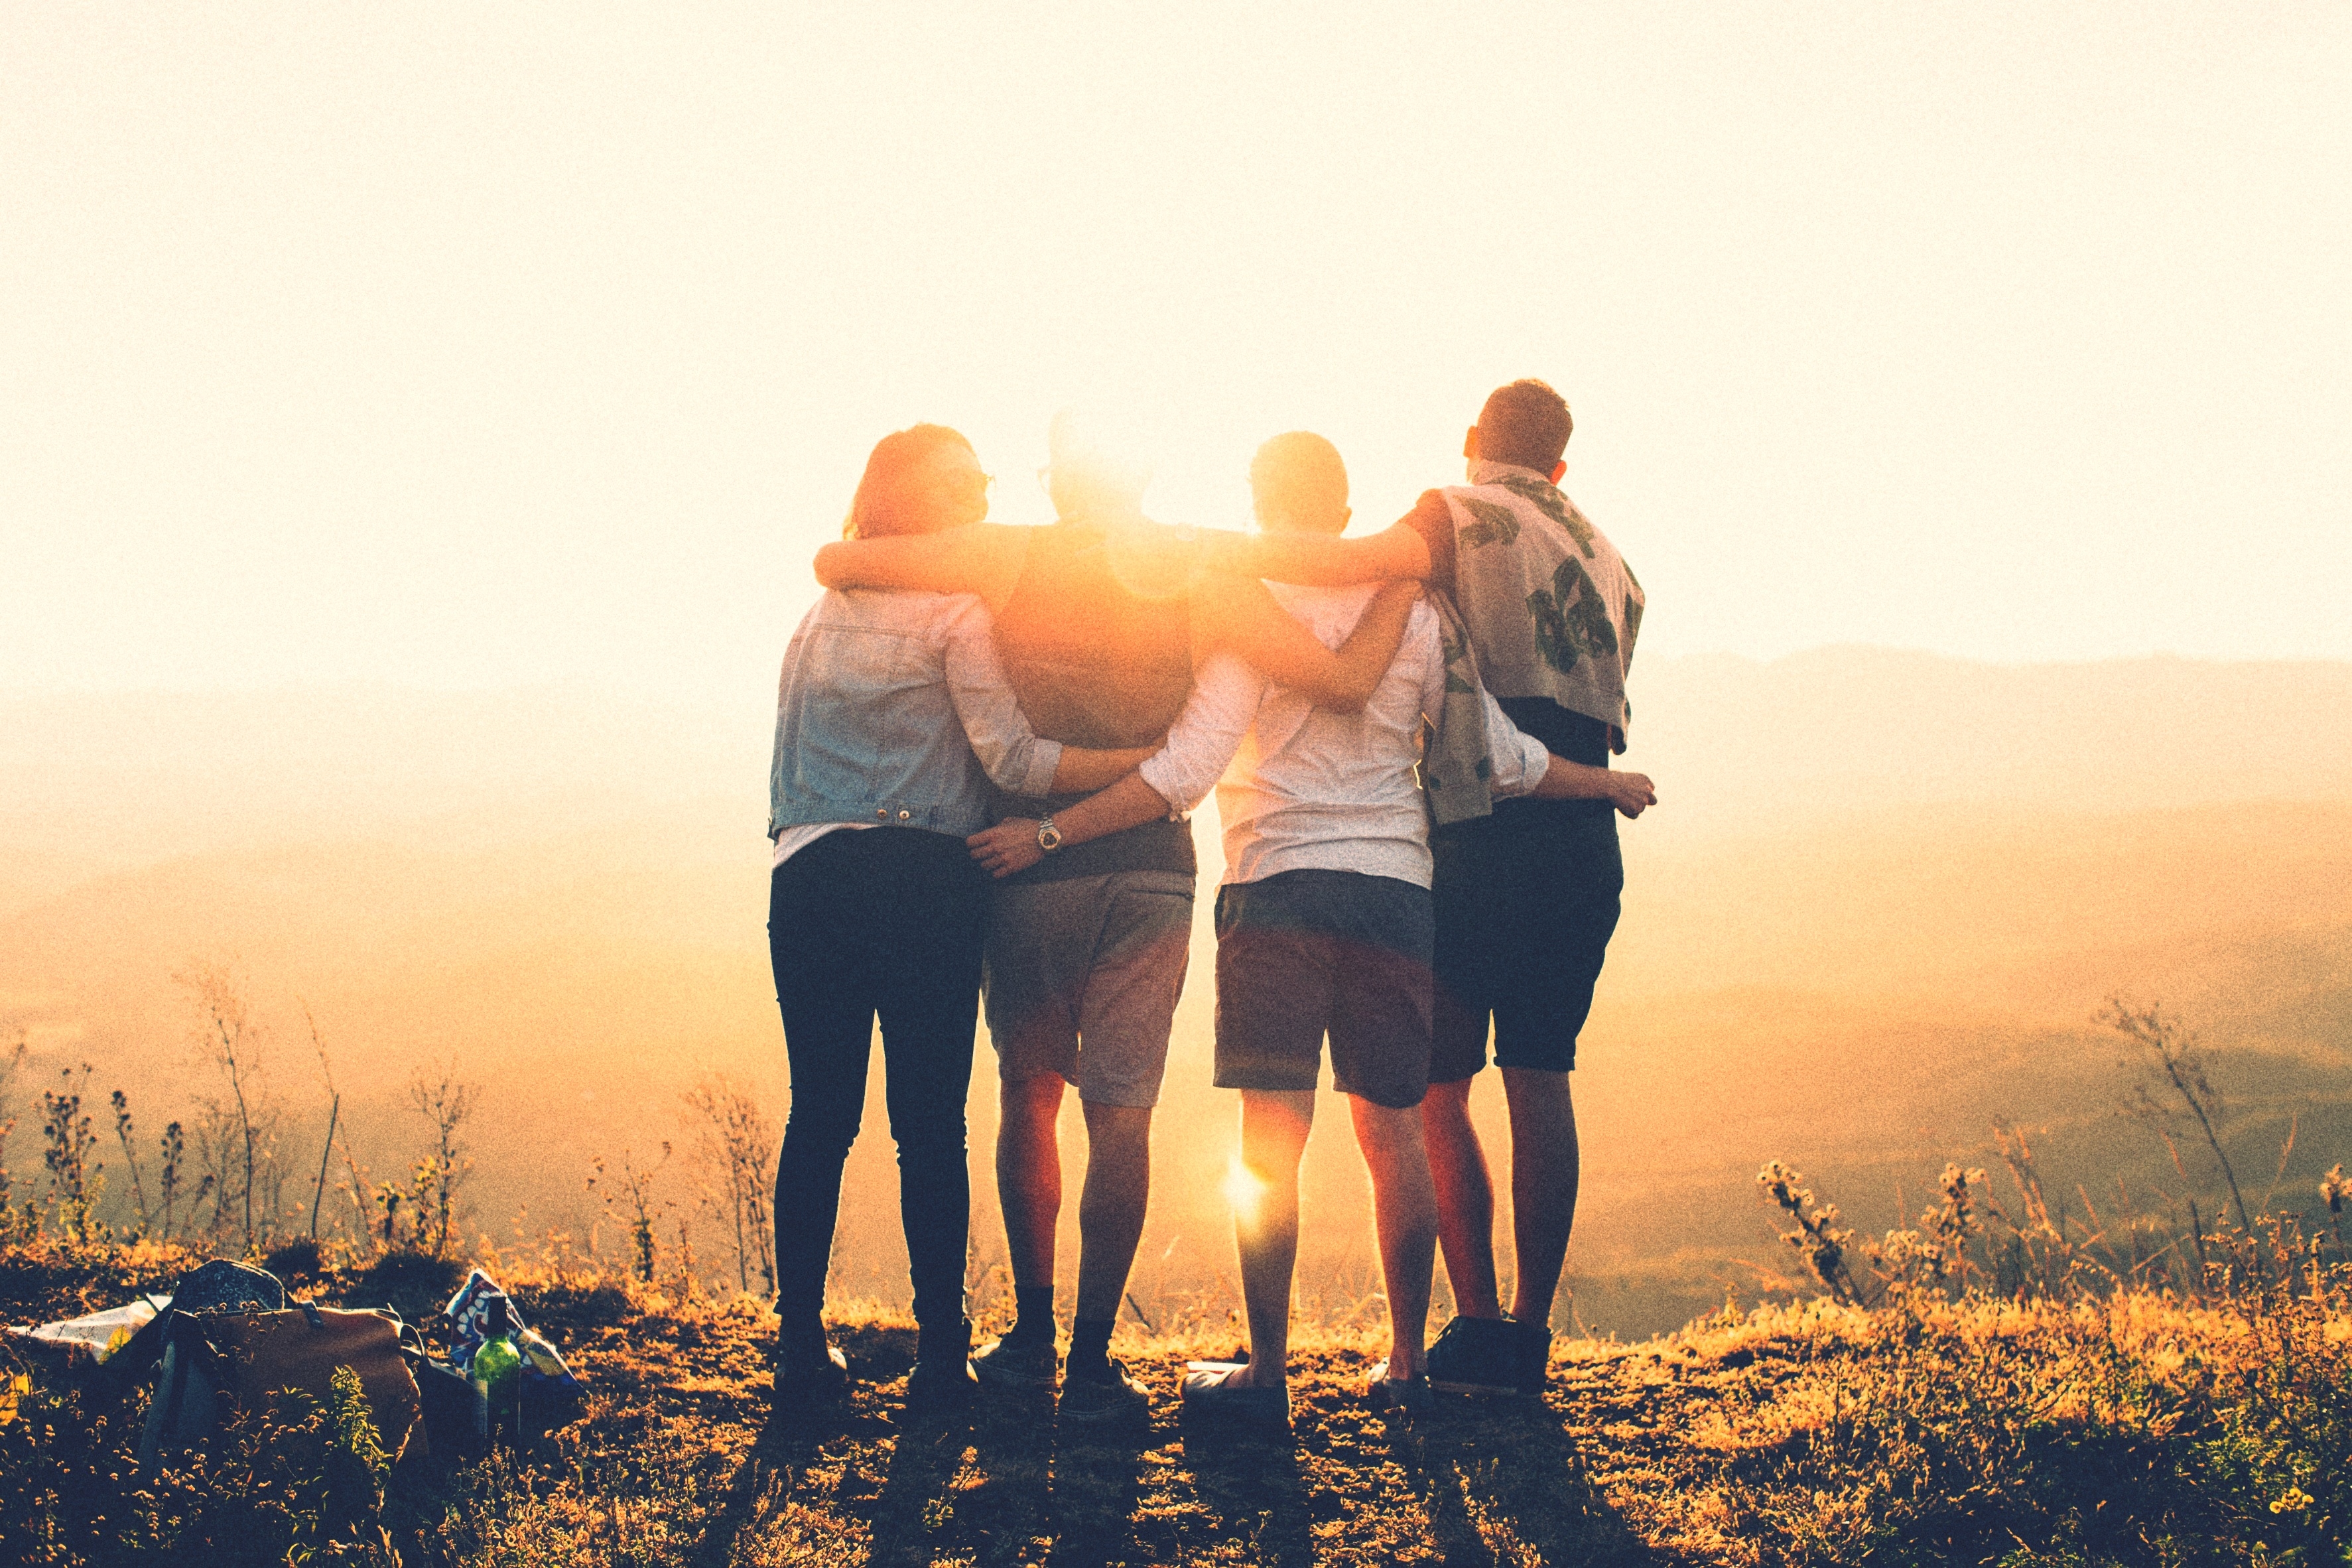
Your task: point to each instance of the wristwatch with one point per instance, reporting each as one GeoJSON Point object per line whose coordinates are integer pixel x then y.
{"type": "Point", "coordinates": [1049, 837]}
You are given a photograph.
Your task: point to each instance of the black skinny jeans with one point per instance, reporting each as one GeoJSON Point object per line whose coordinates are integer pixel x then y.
{"type": "Point", "coordinates": [883, 920]}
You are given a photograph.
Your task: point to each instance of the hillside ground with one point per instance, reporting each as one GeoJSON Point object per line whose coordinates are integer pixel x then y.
{"type": "Point", "coordinates": [2134, 1430]}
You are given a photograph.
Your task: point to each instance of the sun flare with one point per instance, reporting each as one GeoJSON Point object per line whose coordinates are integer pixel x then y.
{"type": "Point", "coordinates": [1243, 1189]}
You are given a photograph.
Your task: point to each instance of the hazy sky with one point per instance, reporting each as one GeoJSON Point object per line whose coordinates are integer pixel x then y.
{"type": "Point", "coordinates": [473, 345]}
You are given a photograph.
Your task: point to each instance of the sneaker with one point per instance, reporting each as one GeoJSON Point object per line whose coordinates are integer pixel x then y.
{"type": "Point", "coordinates": [1479, 1355]}
{"type": "Point", "coordinates": [942, 1374]}
{"type": "Point", "coordinates": [810, 1371]}
{"type": "Point", "coordinates": [1399, 1396]}
{"type": "Point", "coordinates": [1009, 1363]}
{"type": "Point", "coordinates": [1208, 1392]}
{"type": "Point", "coordinates": [1534, 1356]}
{"type": "Point", "coordinates": [1094, 1398]}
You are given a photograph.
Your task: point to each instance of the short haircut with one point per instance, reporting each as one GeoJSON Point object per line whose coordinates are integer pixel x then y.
{"type": "Point", "coordinates": [1299, 476]}
{"type": "Point", "coordinates": [880, 507]}
{"type": "Point", "coordinates": [1525, 424]}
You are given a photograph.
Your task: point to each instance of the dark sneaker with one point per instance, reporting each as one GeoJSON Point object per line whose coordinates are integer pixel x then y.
{"type": "Point", "coordinates": [1535, 1356]}
{"type": "Point", "coordinates": [942, 1374]}
{"type": "Point", "coordinates": [1208, 1392]}
{"type": "Point", "coordinates": [1008, 1364]}
{"type": "Point", "coordinates": [1479, 1355]}
{"type": "Point", "coordinates": [1094, 1397]}
{"type": "Point", "coordinates": [1399, 1396]}
{"type": "Point", "coordinates": [810, 1371]}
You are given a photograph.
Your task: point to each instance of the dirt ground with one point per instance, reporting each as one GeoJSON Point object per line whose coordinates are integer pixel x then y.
{"type": "Point", "coordinates": [1478, 1482]}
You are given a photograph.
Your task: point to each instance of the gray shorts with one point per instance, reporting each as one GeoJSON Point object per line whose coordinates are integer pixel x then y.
{"type": "Point", "coordinates": [1314, 951]}
{"type": "Point", "coordinates": [1082, 976]}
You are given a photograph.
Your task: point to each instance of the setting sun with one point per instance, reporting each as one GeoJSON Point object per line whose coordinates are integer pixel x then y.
{"type": "Point", "coordinates": [1243, 1189]}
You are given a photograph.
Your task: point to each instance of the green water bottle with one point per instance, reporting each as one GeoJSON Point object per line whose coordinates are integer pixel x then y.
{"type": "Point", "coordinates": [497, 1366]}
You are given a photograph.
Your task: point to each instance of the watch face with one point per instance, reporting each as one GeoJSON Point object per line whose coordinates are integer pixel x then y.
{"type": "Point", "coordinates": [1049, 837]}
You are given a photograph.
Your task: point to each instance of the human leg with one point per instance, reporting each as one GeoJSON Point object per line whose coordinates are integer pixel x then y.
{"type": "Point", "coordinates": [929, 1008]}
{"type": "Point", "coordinates": [1381, 1042]}
{"type": "Point", "coordinates": [1029, 1174]}
{"type": "Point", "coordinates": [1467, 872]}
{"type": "Point", "coordinates": [1141, 927]}
{"type": "Point", "coordinates": [1038, 943]}
{"type": "Point", "coordinates": [1274, 1124]}
{"type": "Point", "coordinates": [928, 999]}
{"type": "Point", "coordinates": [1405, 1209]}
{"type": "Point", "coordinates": [1544, 1168]}
{"type": "Point", "coordinates": [1112, 1203]}
{"type": "Point", "coordinates": [828, 1020]}
{"type": "Point", "coordinates": [1538, 1019]}
{"type": "Point", "coordinates": [1111, 1206]}
{"type": "Point", "coordinates": [1464, 1192]}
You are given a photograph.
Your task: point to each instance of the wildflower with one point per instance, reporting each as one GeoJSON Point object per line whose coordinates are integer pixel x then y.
{"type": "Point", "coordinates": [2295, 1501]}
{"type": "Point", "coordinates": [1816, 1237]}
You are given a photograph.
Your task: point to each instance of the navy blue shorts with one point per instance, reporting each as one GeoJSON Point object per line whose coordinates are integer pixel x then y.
{"type": "Point", "coordinates": [1527, 901]}
{"type": "Point", "coordinates": [1313, 952]}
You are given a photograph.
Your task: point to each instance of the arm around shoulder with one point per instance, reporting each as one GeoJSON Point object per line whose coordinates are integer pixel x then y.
{"type": "Point", "coordinates": [981, 558]}
{"type": "Point", "coordinates": [1319, 560]}
{"type": "Point", "coordinates": [1238, 616]}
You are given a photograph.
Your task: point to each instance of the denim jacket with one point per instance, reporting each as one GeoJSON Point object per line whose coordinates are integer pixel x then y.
{"type": "Point", "coordinates": [893, 709]}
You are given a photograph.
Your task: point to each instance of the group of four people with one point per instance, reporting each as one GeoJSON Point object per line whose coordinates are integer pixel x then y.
{"type": "Point", "coordinates": [1408, 734]}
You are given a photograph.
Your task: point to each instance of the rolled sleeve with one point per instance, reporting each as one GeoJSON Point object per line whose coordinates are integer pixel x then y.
{"type": "Point", "coordinates": [1517, 759]}
{"type": "Point", "coordinates": [1012, 754]}
{"type": "Point", "coordinates": [1201, 742]}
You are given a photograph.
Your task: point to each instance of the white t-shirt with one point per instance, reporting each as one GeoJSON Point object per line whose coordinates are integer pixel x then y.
{"type": "Point", "coordinates": [1300, 787]}
{"type": "Point", "coordinates": [793, 840]}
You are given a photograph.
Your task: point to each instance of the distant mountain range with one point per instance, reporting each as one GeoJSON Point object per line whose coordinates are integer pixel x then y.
{"type": "Point", "coordinates": [1880, 899]}
{"type": "Point", "coordinates": [1734, 743]}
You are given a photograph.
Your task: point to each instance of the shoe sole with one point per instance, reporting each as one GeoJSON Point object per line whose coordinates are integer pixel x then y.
{"type": "Point", "coordinates": [1480, 1390]}
{"type": "Point", "coordinates": [1006, 1378]}
{"type": "Point", "coordinates": [1105, 1415]}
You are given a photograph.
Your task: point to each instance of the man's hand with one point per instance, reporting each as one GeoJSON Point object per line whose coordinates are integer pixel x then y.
{"type": "Point", "coordinates": [1010, 846]}
{"type": "Point", "coordinates": [1631, 793]}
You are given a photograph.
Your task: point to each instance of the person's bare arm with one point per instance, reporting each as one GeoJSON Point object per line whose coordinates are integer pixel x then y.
{"type": "Point", "coordinates": [1563, 780]}
{"type": "Point", "coordinates": [1237, 616]}
{"type": "Point", "coordinates": [1518, 765]}
{"type": "Point", "coordinates": [1083, 769]}
{"type": "Point", "coordinates": [1012, 845]}
{"type": "Point", "coordinates": [982, 558]}
{"type": "Point", "coordinates": [1322, 560]}
{"type": "Point", "coordinates": [1200, 746]}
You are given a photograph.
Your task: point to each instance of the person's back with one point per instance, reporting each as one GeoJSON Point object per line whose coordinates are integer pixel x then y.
{"type": "Point", "coordinates": [1097, 642]}
{"type": "Point", "coordinates": [1337, 790]}
{"type": "Point", "coordinates": [868, 727]}
{"type": "Point", "coordinates": [1097, 658]}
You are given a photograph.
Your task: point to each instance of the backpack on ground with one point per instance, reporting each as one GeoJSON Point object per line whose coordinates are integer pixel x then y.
{"type": "Point", "coordinates": [230, 1343]}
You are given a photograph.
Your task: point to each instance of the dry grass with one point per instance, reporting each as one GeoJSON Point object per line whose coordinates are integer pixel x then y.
{"type": "Point", "coordinates": [2134, 1430]}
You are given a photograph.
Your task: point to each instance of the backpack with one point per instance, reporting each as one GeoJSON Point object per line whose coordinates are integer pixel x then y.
{"type": "Point", "coordinates": [229, 1343]}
